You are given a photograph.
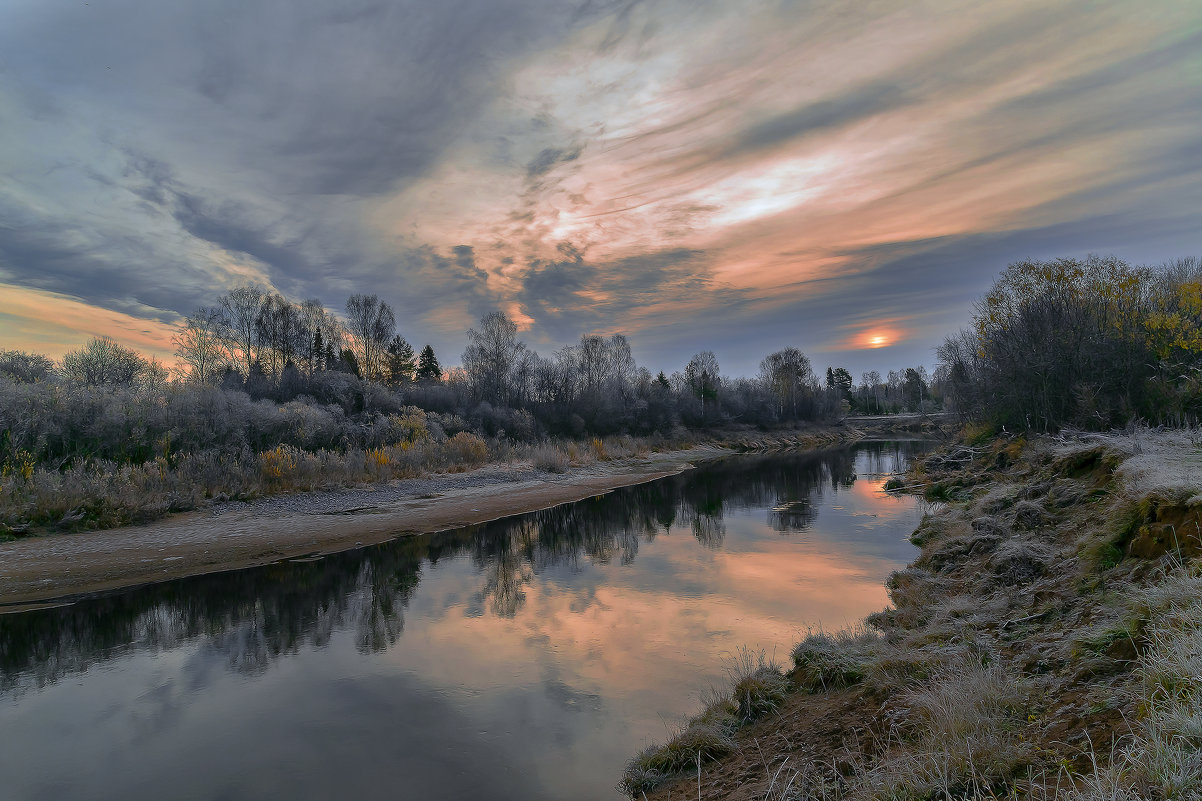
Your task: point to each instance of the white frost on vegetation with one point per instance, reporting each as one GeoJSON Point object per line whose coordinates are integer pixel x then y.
{"type": "Point", "coordinates": [1162, 462]}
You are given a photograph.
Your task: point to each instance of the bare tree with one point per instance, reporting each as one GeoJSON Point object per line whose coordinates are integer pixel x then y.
{"type": "Point", "coordinates": [25, 368]}
{"type": "Point", "coordinates": [372, 324]}
{"type": "Point", "coordinates": [201, 344]}
{"type": "Point", "coordinates": [103, 362]}
{"type": "Point", "coordinates": [241, 307]}
{"type": "Point", "coordinates": [278, 329]}
{"type": "Point", "coordinates": [491, 356]}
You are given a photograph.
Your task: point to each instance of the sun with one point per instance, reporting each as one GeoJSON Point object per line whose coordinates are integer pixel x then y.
{"type": "Point", "coordinates": [877, 341]}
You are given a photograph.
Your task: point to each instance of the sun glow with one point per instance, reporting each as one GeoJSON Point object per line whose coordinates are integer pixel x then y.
{"type": "Point", "coordinates": [876, 338]}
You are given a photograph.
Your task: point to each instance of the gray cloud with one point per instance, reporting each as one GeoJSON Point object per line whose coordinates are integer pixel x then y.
{"type": "Point", "coordinates": [836, 112]}
{"type": "Point", "coordinates": [571, 296]}
{"type": "Point", "coordinates": [156, 151]}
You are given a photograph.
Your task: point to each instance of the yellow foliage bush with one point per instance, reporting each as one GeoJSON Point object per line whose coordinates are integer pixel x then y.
{"type": "Point", "coordinates": [21, 464]}
{"type": "Point", "coordinates": [278, 463]}
{"type": "Point", "coordinates": [378, 457]}
{"type": "Point", "coordinates": [465, 447]}
{"type": "Point", "coordinates": [411, 426]}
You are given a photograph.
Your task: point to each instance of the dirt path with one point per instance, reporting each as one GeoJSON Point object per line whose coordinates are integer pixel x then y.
{"type": "Point", "coordinates": [236, 535]}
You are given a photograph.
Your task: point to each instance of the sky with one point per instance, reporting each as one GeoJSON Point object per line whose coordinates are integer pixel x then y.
{"type": "Point", "coordinates": [735, 176]}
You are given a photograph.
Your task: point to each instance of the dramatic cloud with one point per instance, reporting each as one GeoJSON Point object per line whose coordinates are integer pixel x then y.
{"type": "Point", "coordinates": [733, 176]}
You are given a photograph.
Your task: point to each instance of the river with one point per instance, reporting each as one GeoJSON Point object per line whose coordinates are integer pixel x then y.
{"type": "Point", "coordinates": [527, 658]}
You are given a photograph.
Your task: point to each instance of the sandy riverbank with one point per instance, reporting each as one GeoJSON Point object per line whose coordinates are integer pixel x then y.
{"type": "Point", "coordinates": [235, 535]}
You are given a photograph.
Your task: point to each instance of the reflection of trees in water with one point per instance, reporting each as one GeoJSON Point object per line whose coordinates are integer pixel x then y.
{"type": "Point", "coordinates": [883, 457]}
{"type": "Point", "coordinates": [251, 618]}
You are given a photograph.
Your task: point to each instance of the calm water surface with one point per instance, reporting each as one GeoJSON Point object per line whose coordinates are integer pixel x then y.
{"type": "Point", "coordinates": [523, 659]}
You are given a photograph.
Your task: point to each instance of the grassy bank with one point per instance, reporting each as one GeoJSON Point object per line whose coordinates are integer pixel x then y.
{"type": "Point", "coordinates": [1046, 643]}
{"type": "Point", "coordinates": [99, 493]}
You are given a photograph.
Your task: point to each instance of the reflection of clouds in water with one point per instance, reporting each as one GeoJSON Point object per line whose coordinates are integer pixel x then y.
{"type": "Point", "coordinates": [255, 617]}
{"type": "Point", "coordinates": [590, 612]}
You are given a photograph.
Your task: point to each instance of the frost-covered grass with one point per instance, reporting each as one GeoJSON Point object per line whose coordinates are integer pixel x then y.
{"type": "Point", "coordinates": [1033, 650]}
{"type": "Point", "coordinates": [1165, 463]}
{"type": "Point", "coordinates": [103, 494]}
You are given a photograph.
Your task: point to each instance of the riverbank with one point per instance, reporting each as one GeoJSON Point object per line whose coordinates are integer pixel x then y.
{"type": "Point", "coordinates": [1044, 644]}
{"type": "Point", "coordinates": [233, 535]}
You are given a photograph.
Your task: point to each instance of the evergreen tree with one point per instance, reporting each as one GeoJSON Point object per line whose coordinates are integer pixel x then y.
{"type": "Point", "coordinates": [319, 349]}
{"type": "Point", "coordinates": [428, 368]}
{"type": "Point", "coordinates": [349, 363]}
{"type": "Point", "coordinates": [398, 361]}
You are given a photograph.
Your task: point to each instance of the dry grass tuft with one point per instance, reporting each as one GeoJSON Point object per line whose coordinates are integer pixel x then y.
{"type": "Point", "coordinates": [549, 459]}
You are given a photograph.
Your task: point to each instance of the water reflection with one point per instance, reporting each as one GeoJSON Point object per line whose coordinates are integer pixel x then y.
{"type": "Point", "coordinates": [573, 630]}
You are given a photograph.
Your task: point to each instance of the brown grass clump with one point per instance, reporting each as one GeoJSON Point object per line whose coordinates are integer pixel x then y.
{"type": "Point", "coordinates": [825, 661]}
{"type": "Point", "coordinates": [703, 739]}
{"type": "Point", "coordinates": [549, 459]}
{"type": "Point", "coordinates": [759, 686]}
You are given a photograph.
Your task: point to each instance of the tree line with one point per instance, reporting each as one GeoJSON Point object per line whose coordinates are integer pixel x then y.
{"type": "Point", "coordinates": [108, 401]}
{"type": "Point", "coordinates": [1090, 343]}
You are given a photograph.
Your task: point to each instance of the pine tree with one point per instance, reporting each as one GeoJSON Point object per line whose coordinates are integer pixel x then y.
{"type": "Point", "coordinates": [428, 368]}
{"type": "Point", "coordinates": [318, 351]}
{"type": "Point", "coordinates": [348, 363]}
{"type": "Point", "coordinates": [398, 361]}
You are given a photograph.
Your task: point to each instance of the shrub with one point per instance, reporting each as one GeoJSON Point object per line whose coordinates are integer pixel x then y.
{"type": "Point", "coordinates": [550, 459]}
{"type": "Point", "coordinates": [279, 463]}
{"type": "Point", "coordinates": [467, 448]}
{"type": "Point", "coordinates": [598, 449]}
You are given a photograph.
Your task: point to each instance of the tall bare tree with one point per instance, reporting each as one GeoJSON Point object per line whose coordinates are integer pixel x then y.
{"type": "Point", "coordinates": [372, 324]}
{"type": "Point", "coordinates": [491, 356]}
{"type": "Point", "coordinates": [241, 307]}
{"type": "Point", "coordinates": [201, 344]}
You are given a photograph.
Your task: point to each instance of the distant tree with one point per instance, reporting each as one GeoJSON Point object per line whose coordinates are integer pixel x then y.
{"type": "Point", "coordinates": [491, 356]}
{"type": "Point", "coordinates": [428, 368]}
{"type": "Point", "coordinates": [25, 368]}
{"type": "Point", "coordinates": [701, 374]}
{"type": "Point", "coordinates": [915, 387]}
{"type": "Point", "coordinates": [241, 308]}
{"type": "Point", "coordinates": [103, 362]}
{"type": "Point", "coordinates": [312, 318]}
{"type": "Point", "coordinates": [317, 357]}
{"type": "Point", "coordinates": [870, 391]}
{"type": "Point", "coordinates": [838, 379]}
{"type": "Point", "coordinates": [349, 363]}
{"type": "Point", "coordinates": [399, 363]}
{"type": "Point", "coordinates": [702, 377]}
{"type": "Point", "coordinates": [201, 344]}
{"type": "Point", "coordinates": [280, 333]}
{"type": "Point", "coordinates": [373, 325]}
{"type": "Point", "coordinates": [787, 374]}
